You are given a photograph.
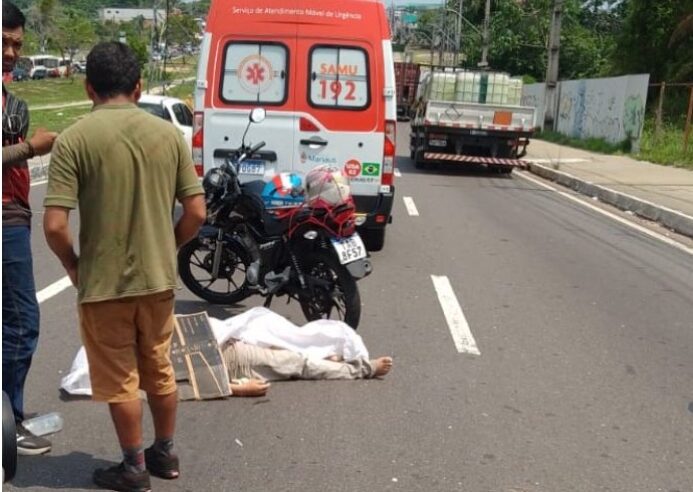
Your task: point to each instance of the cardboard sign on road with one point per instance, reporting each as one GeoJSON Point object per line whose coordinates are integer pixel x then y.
{"type": "Point", "coordinates": [197, 361]}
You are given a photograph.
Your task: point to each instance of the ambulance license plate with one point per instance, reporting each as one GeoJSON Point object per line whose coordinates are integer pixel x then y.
{"type": "Point", "coordinates": [252, 166]}
{"type": "Point", "coordinates": [349, 249]}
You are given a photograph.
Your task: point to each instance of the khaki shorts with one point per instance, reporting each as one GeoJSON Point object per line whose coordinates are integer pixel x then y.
{"type": "Point", "coordinates": [128, 344]}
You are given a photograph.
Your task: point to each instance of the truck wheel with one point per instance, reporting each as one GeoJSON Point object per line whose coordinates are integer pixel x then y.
{"type": "Point", "coordinates": [9, 440]}
{"type": "Point", "coordinates": [501, 169]}
{"type": "Point", "coordinates": [418, 160]}
{"type": "Point", "coordinates": [373, 239]}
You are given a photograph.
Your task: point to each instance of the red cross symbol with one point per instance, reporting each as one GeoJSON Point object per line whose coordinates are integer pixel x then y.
{"type": "Point", "coordinates": [256, 74]}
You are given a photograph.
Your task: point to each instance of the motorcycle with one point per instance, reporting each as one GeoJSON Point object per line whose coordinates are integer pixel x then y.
{"type": "Point", "coordinates": [309, 252]}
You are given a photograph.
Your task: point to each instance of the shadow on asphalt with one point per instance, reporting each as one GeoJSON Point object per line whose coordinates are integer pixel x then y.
{"type": "Point", "coordinates": [184, 306]}
{"type": "Point", "coordinates": [406, 165]}
{"type": "Point", "coordinates": [67, 472]}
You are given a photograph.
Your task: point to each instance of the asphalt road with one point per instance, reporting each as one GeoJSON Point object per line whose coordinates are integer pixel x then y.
{"type": "Point", "coordinates": [583, 381]}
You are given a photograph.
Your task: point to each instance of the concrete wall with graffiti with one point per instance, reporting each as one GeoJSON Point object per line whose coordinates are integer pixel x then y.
{"type": "Point", "coordinates": [610, 108]}
{"type": "Point", "coordinates": [533, 95]}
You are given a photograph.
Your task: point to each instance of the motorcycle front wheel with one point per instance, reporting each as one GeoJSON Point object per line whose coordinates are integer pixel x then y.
{"type": "Point", "coordinates": [333, 293]}
{"type": "Point", "coordinates": [195, 262]}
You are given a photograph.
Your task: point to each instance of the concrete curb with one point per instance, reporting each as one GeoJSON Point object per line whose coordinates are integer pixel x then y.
{"type": "Point", "coordinates": [676, 221]}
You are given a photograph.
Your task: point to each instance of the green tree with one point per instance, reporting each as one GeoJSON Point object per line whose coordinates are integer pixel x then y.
{"type": "Point", "coordinates": [656, 38]}
{"type": "Point", "coordinates": [40, 19]}
{"type": "Point", "coordinates": [519, 35]}
{"type": "Point", "coordinates": [139, 46]}
{"type": "Point", "coordinates": [72, 32]}
{"type": "Point", "coordinates": [181, 29]}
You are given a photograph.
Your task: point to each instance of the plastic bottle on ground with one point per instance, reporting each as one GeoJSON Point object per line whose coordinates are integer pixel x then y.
{"type": "Point", "coordinates": [43, 425]}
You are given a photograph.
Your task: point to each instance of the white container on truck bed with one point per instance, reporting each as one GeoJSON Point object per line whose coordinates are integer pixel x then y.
{"type": "Point", "coordinates": [471, 117]}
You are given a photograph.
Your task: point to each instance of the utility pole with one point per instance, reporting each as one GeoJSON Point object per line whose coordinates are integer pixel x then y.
{"type": "Point", "coordinates": [165, 47]}
{"type": "Point", "coordinates": [551, 96]}
{"type": "Point", "coordinates": [150, 63]}
{"type": "Point", "coordinates": [486, 36]}
{"type": "Point", "coordinates": [442, 32]}
{"type": "Point", "coordinates": [458, 37]}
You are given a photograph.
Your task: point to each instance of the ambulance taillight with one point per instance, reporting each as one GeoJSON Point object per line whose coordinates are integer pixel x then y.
{"type": "Point", "coordinates": [198, 142]}
{"type": "Point", "coordinates": [389, 153]}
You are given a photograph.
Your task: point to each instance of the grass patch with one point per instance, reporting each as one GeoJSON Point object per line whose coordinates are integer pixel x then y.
{"type": "Point", "coordinates": [182, 91]}
{"type": "Point", "coordinates": [56, 119]}
{"type": "Point", "coordinates": [667, 147]}
{"type": "Point", "coordinates": [592, 144]}
{"type": "Point", "coordinates": [50, 91]}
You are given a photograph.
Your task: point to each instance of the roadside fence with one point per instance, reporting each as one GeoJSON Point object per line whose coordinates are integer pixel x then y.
{"type": "Point", "coordinates": [671, 104]}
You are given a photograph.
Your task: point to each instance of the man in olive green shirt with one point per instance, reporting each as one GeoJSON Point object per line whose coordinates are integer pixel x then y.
{"type": "Point", "coordinates": [124, 169]}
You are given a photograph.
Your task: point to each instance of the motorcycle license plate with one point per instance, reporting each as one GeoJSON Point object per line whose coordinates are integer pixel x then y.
{"type": "Point", "coordinates": [252, 166]}
{"type": "Point", "coordinates": [349, 248]}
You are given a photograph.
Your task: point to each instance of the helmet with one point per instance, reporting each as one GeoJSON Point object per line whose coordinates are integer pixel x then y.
{"type": "Point", "coordinates": [328, 185]}
{"type": "Point", "coordinates": [284, 190]}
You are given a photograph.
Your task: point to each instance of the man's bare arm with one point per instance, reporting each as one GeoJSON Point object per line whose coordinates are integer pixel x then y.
{"type": "Point", "coordinates": [56, 227]}
{"type": "Point", "coordinates": [194, 215]}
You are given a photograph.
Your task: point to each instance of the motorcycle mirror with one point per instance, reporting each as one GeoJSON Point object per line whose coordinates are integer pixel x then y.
{"type": "Point", "coordinates": [257, 115]}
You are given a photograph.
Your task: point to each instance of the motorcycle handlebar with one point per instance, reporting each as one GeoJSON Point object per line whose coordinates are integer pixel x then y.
{"type": "Point", "coordinates": [256, 147]}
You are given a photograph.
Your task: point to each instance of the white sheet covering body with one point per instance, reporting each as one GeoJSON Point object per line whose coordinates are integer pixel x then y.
{"type": "Point", "coordinates": [257, 326]}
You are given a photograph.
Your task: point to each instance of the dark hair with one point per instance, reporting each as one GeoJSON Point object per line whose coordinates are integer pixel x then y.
{"type": "Point", "coordinates": [112, 69]}
{"type": "Point", "coordinates": [12, 17]}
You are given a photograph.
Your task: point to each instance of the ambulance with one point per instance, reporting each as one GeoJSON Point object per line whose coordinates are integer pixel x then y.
{"type": "Point", "coordinates": [324, 72]}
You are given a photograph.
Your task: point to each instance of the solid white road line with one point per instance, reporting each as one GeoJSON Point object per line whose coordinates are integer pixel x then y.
{"type": "Point", "coordinates": [559, 160]}
{"type": "Point", "coordinates": [411, 206]}
{"type": "Point", "coordinates": [613, 216]}
{"type": "Point", "coordinates": [457, 323]}
{"type": "Point", "coordinates": [398, 174]}
{"type": "Point", "coordinates": [40, 182]}
{"type": "Point", "coordinates": [53, 289]}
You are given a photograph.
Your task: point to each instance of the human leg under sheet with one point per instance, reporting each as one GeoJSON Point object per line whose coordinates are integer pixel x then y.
{"type": "Point", "coordinates": [250, 361]}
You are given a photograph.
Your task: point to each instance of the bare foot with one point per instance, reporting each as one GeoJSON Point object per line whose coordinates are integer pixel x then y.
{"type": "Point", "coordinates": [382, 366]}
{"type": "Point", "coordinates": [248, 387]}
{"type": "Point", "coordinates": [335, 358]}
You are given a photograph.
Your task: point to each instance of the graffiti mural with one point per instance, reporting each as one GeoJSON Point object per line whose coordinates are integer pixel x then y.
{"type": "Point", "coordinates": [633, 117]}
{"type": "Point", "coordinates": [534, 96]}
{"type": "Point", "coordinates": [609, 108]}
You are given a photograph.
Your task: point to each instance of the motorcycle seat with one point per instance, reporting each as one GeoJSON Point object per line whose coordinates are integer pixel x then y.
{"type": "Point", "coordinates": [273, 225]}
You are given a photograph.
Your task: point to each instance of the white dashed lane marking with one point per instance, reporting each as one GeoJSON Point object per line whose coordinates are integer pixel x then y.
{"type": "Point", "coordinates": [411, 206]}
{"type": "Point", "coordinates": [53, 289]}
{"type": "Point", "coordinates": [457, 323]}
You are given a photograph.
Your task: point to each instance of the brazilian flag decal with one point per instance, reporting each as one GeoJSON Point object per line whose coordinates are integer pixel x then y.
{"type": "Point", "coordinates": [370, 169]}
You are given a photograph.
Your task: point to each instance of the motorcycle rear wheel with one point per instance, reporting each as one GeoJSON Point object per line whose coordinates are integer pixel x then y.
{"type": "Point", "coordinates": [9, 440]}
{"type": "Point", "coordinates": [343, 297]}
{"type": "Point", "coordinates": [195, 265]}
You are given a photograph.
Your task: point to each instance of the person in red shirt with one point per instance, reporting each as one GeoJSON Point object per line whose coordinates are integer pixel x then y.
{"type": "Point", "coordinates": [20, 311]}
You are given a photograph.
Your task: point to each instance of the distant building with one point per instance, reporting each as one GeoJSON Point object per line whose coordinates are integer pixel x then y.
{"type": "Point", "coordinates": [118, 15]}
